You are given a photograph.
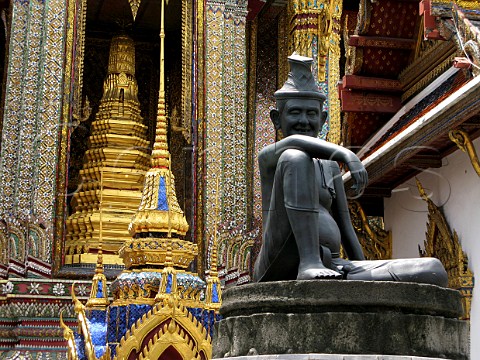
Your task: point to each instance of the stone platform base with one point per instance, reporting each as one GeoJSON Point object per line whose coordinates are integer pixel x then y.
{"type": "Point", "coordinates": [291, 318]}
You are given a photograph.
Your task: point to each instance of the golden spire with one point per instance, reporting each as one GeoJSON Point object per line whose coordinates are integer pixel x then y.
{"type": "Point", "coordinates": [213, 293]}
{"type": "Point", "coordinates": [160, 154]}
{"type": "Point", "coordinates": [99, 294]}
{"type": "Point", "coordinates": [159, 219]}
{"type": "Point", "coordinates": [98, 299]}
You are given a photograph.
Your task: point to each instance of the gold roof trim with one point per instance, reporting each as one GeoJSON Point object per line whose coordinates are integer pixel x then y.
{"type": "Point", "coordinates": [444, 244]}
{"type": "Point", "coordinates": [69, 336]}
{"type": "Point", "coordinates": [465, 4]}
{"type": "Point", "coordinates": [153, 251]}
{"type": "Point", "coordinates": [180, 329]}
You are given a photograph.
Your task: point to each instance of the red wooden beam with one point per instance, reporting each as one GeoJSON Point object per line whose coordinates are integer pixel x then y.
{"type": "Point", "coordinates": [365, 101]}
{"type": "Point", "coordinates": [381, 42]}
{"type": "Point", "coordinates": [371, 83]}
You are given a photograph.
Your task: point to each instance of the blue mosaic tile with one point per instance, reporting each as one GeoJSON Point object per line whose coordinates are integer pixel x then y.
{"type": "Point", "coordinates": [97, 316]}
{"type": "Point", "coordinates": [100, 289]}
{"type": "Point", "coordinates": [135, 312]}
{"type": "Point", "coordinates": [168, 290]}
{"type": "Point", "coordinates": [113, 349]}
{"type": "Point", "coordinates": [97, 325]}
{"type": "Point", "coordinates": [80, 344]}
{"type": "Point", "coordinates": [162, 195]}
{"type": "Point", "coordinates": [196, 312]}
{"type": "Point", "coordinates": [112, 324]}
{"type": "Point", "coordinates": [215, 294]}
{"type": "Point", "coordinates": [121, 322]}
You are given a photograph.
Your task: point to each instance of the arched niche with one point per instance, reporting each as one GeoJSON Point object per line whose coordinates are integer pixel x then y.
{"type": "Point", "coordinates": [96, 23]}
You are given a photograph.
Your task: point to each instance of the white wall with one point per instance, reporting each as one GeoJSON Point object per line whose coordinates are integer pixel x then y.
{"type": "Point", "coordinates": [456, 187]}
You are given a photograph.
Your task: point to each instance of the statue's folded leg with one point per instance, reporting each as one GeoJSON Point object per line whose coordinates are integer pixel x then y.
{"type": "Point", "coordinates": [421, 270]}
{"type": "Point", "coordinates": [290, 234]}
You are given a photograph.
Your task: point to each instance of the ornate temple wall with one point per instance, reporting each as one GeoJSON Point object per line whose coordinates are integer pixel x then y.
{"type": "Point", "coordinates": [224, 134]}
{"type": "Point", "coordinates": [32, 120]}
{"type": "Point", "coordinates": [453, 188]}
{"type": "Point", "coordinates": [266, 83]}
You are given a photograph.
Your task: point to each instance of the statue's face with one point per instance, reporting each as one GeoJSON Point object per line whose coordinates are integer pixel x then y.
{"type": "Point", "coordinates": [301, 117]}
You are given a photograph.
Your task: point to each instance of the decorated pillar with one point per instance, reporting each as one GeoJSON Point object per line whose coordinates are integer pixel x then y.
{"type": "Point", "coordinates": [32, 119]}
{"type": "Point", "coordinates": [225, 117]}
{"type": "Point", "coordinates": [316, 34]}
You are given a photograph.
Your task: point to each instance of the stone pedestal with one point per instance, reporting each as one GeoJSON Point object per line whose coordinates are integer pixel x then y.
{"type": "Point", "coordinates": [327, 318]}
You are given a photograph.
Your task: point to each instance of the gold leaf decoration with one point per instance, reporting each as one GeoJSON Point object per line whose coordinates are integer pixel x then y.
{"type": "Point", "coordinates": [134, 5]}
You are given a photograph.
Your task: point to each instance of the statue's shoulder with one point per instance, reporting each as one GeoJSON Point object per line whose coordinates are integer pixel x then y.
{"type": "Point", "coordinates": [266, 157]}
{"type": "Point", "coordinates": [267, 150]}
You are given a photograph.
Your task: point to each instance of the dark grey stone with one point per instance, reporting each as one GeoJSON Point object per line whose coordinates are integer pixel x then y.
{"type": "Point", "coordinates": [340, 295]}
{"type": "Point", "coordinates": [341, 317]}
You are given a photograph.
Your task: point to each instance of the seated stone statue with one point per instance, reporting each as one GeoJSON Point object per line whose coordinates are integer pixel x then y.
{"type": "Point", "coordinates": [305, 210]}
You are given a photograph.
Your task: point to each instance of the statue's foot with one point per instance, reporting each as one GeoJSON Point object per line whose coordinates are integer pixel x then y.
{"type": "Point", "coordinates": [317, 273]}
{"type": "Point", "coordinates": [342, 265]}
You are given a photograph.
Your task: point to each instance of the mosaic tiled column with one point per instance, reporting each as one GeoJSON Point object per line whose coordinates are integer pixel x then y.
{"type": "Point", "coordinates": [316, 33]}
{"type": "Point", "coordinates": [31, 120]}
{"type": "Point", "coordinates": [225, 114]}
{"type": "Point", "coordinates": [265, 86]}
{"type": "Point", "coordinates": [333, 76]}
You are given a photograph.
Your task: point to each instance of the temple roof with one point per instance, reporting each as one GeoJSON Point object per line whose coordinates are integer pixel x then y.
{"type": "Point", "coordinates": [401, 93]}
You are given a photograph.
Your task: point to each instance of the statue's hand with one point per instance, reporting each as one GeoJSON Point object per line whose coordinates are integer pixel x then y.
{"type": "Point", "coordinates": [359, 174]}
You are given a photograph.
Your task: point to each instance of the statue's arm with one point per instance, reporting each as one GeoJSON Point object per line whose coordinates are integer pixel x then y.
{"type": "Point", "coordinates": [342, 217]}
{"type": "Point", "coordinates": [267, 163]}
{"type": "Point", "coordinates": [318, 148]}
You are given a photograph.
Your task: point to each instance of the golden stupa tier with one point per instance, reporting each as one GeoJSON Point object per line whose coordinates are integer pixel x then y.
{"type": "Point", "coordinates": [120, 200]}
{"type": "Point", "coordinates": [152, 251]}
{"type": "Point", "coordinates": [119, 127]}
{"type": "Point", "coordinates": [157, 226]}
{"type": "Point", "coordinates": [101, 139]}
{"type": "Point", "coordinates": [159, 211]}
{"type": "Point", "coordinates": [114, 166]}
{"type": "Point", "coordinates": [84, 234]}
{"type": "Point", "coordinates": [114, 158]}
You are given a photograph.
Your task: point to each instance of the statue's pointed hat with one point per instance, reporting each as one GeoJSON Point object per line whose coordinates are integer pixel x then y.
{"type": "Point", "coordinates": [300, 81]}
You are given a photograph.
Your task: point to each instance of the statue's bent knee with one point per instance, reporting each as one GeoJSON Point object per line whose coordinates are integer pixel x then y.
{"type": "Point", "coordinates": [433, 272]}
{"type": "Point", "coordinates": [295, 174]}
{"type": "Point", "coordinates": [295, 157]}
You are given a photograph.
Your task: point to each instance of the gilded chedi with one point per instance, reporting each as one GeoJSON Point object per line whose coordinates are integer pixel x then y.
{"type": "Point", "coordinates": [114, 165]}
{"type": "Point", "coordinates": [159, 224]}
